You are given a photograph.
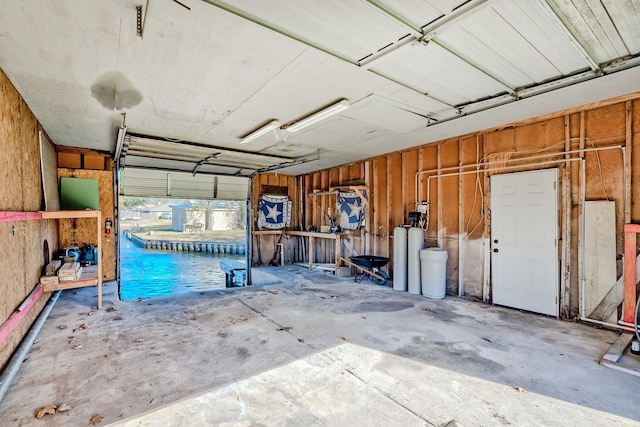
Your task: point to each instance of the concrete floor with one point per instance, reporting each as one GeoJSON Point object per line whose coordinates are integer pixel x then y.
{"type": "Point", "coordinates": [315, 350]}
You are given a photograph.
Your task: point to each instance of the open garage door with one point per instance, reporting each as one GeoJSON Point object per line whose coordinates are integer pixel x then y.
{"type": "Point", "coordinates": [182, 185]}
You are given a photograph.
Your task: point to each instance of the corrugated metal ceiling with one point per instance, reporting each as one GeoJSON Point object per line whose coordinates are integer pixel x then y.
{"type": "Point", "coordinates": [222, 69]}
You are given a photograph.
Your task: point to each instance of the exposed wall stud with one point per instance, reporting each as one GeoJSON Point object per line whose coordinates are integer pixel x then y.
{"type": "Point", "coordinates": [461, 232]}
{"type": "Point", "coordinates": [565, 278]}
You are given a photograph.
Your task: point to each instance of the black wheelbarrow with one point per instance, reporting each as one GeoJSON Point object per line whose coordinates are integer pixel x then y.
{"type": "Point", "coordinates": [370, 265]}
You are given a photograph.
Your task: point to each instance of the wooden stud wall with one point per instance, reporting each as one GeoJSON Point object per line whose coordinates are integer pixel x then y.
{"type": "Point", "coordinates": [459, 205]}
{"type": "Point", "coordinates": [264, 247]}
{"type": "Point", "coordinates": [21, 243]}
{"type": "Point", "coordinates": [85, 228]}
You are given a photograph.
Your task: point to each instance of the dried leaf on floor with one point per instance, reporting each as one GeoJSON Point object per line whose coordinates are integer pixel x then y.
{"type": "Point", "coordinates": [63, 407]}
{"type": "Point", "coordinates": [344, 339]}
{"type": "Point", "coordinates": [140, 340]}
{"type": "Point", "coordinates": [81, 327]}
{"type": "Point", "coordinates": [110, 309]}
{"type": "Point", "coordinates": [95, 419]}
{"type": "Point", "coordinates": [77, 347]}
{"type": "Point", "coordinates": [486, 339]}
{"type": "Point", "coordinates": [263, 342]}
{"type": "Point", "coordinates": [45, 410]}
{"type": "Point", "coordinates": [62, 327]}
{"type": "Point", "coordinates": [520, 389]}
{"type": "Point", "coordinates": [429, 309]}
{"type": "Point", "coordinates": [300, 339]}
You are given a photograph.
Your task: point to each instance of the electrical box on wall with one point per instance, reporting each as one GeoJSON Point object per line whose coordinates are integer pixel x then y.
{"type": "Point", "coordinates": [79, 194]}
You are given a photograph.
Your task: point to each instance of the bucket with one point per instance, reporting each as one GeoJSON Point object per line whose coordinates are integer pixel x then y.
{"type": "Point", "coordinates": [433, 266]}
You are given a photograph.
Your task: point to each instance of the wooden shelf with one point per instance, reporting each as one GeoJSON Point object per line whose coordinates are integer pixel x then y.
{"type": "Point", "coordinates": [69, 214]}
{"type": "Point", "coordinates": [92, 278]}
{"type": "Point", "coordinates": [266, 232]}
{"type": "Point", "coordinates": [330, 236]}
{"type": "Point", "coordinates": [71, 284]}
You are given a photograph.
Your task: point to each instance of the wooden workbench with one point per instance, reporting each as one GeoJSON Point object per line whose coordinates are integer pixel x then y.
{"type": "Point", "coordinates": [312, 236]}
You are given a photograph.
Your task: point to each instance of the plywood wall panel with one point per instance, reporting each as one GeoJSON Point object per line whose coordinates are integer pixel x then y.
{"type": "Point", "coordinates": [501, 142]}
{"type": "Point", "coordinates": [21, 243]}
{"type": "Point", "coordinates": [380, 208]}
{"type": "Point", "coordinates": [409, 169]}
{"type": "Point", "coordinates": [532, 138]}
{"type": "Point", "coordinates": [473, 220]}
{"type": "Point", "coordinates": [635, 160]}
{"type": "Point", "coordinates": [394, 198]}
{"type": "Point", "coordinates": [395, 190]}
{"type": "Point", "coordinates": [606, 122]}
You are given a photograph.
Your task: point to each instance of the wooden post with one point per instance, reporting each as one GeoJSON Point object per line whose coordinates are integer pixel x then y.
{"type": "Point", "coordinates": [439, 222]}
{"type": "Point", "coordinates": [486, 235]}
{"type": "Point", "coordinates": [312, 244]}
{"type": "Point", "coordinates": [337, 251]}
{"type": "Point", "coordinates": [582, 188]}
{"type": "Point", "coordinates": [628, 145]}
{"type": "Point", "coordinates": [630, 279]}
{"type": "Point", "coordinates": [366, 245]}
{"type": "Point", "coordinates": [99, 232]}
{"type": "Point", "coordinates": [461, 237]}
{"type": "Point", "coordinates": [566, 226]}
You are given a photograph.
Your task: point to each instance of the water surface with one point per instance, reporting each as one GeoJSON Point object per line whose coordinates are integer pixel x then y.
{"type": "Point", "coordinates": [148, 273]}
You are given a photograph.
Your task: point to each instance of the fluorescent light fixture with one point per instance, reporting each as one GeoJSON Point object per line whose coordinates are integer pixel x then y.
{"type": "Point", "coordinates": [259, 132]}
{"type": "Point", "coordinates": [319, 116]}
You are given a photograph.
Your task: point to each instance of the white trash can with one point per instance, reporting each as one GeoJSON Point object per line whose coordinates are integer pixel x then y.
{"type": "Point", "coordinates": [433, 272]}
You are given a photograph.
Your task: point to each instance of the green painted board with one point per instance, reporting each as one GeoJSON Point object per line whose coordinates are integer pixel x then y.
{"type": "Point", "coordinates": [79, 194]}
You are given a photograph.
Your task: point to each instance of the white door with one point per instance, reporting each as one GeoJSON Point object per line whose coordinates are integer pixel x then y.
{"type": "Point", "coordinates": [524, 232]}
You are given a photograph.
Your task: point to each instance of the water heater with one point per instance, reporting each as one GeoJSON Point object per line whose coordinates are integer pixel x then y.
{"type": "Point", "coordinates": [400, 259]}
{"type": "Point", "coordinates": [416, 243]}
